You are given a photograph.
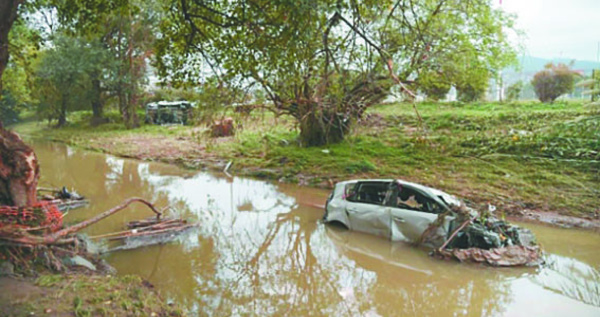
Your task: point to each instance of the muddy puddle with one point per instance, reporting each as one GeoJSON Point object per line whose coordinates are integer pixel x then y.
{"type": "Point", "coordinates": [260, 250]}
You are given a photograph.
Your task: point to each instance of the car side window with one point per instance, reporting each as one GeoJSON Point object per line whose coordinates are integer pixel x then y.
{"type": "Point", "coordinates": [408, 198]}
{"type": "Point", "coordinates": [367, 192]}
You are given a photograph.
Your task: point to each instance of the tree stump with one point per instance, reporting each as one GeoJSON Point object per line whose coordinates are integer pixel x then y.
{"type": "Point", "coordinates": [222, 128]}
{"type": "Point", "coordinates": [19, 171]}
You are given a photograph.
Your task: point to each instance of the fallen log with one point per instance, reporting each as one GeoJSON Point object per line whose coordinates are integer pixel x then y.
{"type": "Point", "coordinates": [172, 229]}
{"type": "Point", "coordinates": [139, 228]}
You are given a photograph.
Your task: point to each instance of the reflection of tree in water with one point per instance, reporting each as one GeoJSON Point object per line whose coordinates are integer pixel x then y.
{"type": "Point", "coordinates": [410, 283]}
{"type": "Point", "coordinates": [274, 259]}
{"type": "Point", "coordinates": [279, 275]}
{"type": "Point", "coordinates": [282, 274]}
{"type": "Point", "coordinates": [571, 278]}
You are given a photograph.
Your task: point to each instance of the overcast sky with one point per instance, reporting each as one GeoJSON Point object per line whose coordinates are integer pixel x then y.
{"type": "Point", "coordinates": [558, 28]}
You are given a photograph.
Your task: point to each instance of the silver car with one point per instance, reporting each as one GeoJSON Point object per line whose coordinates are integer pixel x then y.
{"type": "Point", "coordinates": [391, 208]}
{"type": "Point", "coordinates": [400, 210]}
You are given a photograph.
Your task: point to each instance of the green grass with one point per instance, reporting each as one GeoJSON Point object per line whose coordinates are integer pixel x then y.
{"type": "Point", "coordinates": [516, 156]}
{"type": "Point", "coordinates": [95, 295]}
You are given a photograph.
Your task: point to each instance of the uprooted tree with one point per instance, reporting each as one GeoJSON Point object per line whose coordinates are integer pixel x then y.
{"type": "Point", "coordinates": [325, 61]}
{"type": "Point", "coordinates": [19, 171]}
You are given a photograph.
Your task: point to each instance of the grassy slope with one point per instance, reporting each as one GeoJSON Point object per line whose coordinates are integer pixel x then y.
{"type": "Point", "coordinates": [82, 295]}
{"type": "Point", "coordinates": [521, 156]}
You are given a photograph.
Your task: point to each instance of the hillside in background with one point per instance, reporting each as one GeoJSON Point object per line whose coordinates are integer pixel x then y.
{"type": "Point", "coordinates": [529, 65]}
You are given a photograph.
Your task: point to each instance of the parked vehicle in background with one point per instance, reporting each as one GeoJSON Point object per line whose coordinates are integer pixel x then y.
{"type": "Point", "coordinates": [169, 112]}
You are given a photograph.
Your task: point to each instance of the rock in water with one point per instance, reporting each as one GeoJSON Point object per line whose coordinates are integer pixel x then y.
{"type": "Point", "coordinates": [78, 260]}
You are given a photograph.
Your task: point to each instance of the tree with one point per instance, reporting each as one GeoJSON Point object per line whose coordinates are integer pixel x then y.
{"type": "Point", "coordinates": [324, 62]}
{"type": "Point", "coordinates": [127, 29]}
{"type": "Point", "coordinates": [463, 41]}
{"type": "Point", "coordinates": [513, 92]}
{"type": "Point", "coordinates": [553, 82]}
{"type": "Point", "coordinates": [62, 77]}
{"type": "Point", "coordinates": [434, 84]}
{"type": "Point", "coordinates": [8, 15]}
{"type": "Point", "coordinates": [9, 108]}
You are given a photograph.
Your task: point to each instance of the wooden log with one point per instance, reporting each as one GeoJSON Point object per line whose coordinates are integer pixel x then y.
{"type": "Point", "coordinates": [154, 232]}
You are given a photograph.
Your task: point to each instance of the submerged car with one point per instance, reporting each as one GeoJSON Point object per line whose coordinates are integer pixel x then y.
{"type": "Point", "coordinates": [400, 210]}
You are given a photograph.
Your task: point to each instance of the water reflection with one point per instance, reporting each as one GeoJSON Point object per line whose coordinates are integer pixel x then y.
{"type": "Point", "coordinates": [260, 250]}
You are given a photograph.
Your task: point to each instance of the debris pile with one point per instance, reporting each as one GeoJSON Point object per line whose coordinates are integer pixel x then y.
{"type": "Point", "coordinates": [483, 238]}
{"type": "Point", "coordinates": [34, 235]}
{"type": "Point", "coordinates": [65, 200]}
{"type": "Point", "coordinates": [31, 218]}
{"type": "Point", "coordinates": [146, 232]}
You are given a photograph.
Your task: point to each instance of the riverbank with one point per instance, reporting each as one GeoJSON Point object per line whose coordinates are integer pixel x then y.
{"type": "Point", "coordinates": [532, 161]}
{"type": "Point", "coordinates": [81, 295]}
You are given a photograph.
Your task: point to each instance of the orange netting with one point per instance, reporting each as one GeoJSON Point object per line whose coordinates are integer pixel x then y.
{"type": "Point", "coordinates": [43, 214]}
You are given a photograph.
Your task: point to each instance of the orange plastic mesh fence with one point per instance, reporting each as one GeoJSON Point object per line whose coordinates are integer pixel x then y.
{"type": "Point", "coordinates": [42, 214]}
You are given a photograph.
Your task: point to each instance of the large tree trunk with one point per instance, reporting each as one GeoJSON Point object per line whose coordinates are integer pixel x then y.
{"type": "Point", "coordinates": [97, 104]}
{"type": "Point", "coordinates": [19, 171]}
{"type": "Point", "coordinates": [8, 14]}
{"type": "Point", "coordinates": [321, 126]}
{"type": "Point", "coordinates": [62, 112]}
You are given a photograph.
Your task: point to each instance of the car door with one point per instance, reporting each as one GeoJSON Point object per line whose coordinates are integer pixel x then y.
{"type": "Point", "coordinates": [366, 211]}
{"type": "Point", "coordinates": [409, 222]}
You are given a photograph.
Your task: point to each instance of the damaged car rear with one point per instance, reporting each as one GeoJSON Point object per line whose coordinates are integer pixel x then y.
{"type": "Point", "coordinates": [404, 211]}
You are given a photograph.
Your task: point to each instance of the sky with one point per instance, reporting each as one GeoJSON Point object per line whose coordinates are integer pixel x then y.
{"type": "Point", "coordinates": [558, 28]}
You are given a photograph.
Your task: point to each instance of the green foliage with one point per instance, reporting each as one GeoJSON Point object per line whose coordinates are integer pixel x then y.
{"type": "Point", "coordinates": [9, 108]}
{"type": "Point", "coordinates": [553, 82]}
{"type": "Point", "coordinates": [513, 92]}
{"type": "Point", "coordinates": [472, 88]}
{"type": "Point", "coordinates": [63, 74]}
{"type": "Point", "coordinates": [324, 62]}
{"type": "Point", "coordinates": [126, 29]}
{"type": "Point", "coordinates": [24, 49]}
{"type": "Point", "coordinates": [435, 85]}
{"type": "Point", "coordinates": [470, 92]}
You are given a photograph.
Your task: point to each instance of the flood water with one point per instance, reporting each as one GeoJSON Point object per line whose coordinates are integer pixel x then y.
{"type": "Point", "coordinates": [261, 250]}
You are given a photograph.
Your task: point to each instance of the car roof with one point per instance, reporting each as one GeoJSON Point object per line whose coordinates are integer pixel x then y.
{"type": "Point", "coordinates": [432, 192]}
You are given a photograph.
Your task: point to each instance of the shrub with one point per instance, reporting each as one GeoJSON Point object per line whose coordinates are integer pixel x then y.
{"type": "Point", "coordinates": [553, 82]}
{"type": "Point", "coordinates": [513, 92]}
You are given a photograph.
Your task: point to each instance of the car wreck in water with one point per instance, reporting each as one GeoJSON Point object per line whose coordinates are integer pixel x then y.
{"type": "Point", "coordinates": [405, 211]}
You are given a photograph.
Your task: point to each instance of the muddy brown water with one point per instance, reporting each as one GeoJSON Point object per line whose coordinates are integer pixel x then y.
{"type": "Point", "coordinates": [261, 250]}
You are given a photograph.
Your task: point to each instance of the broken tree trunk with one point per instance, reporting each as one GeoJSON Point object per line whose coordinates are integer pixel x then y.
{"type": "Point", "coordinates": [19, 171]}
